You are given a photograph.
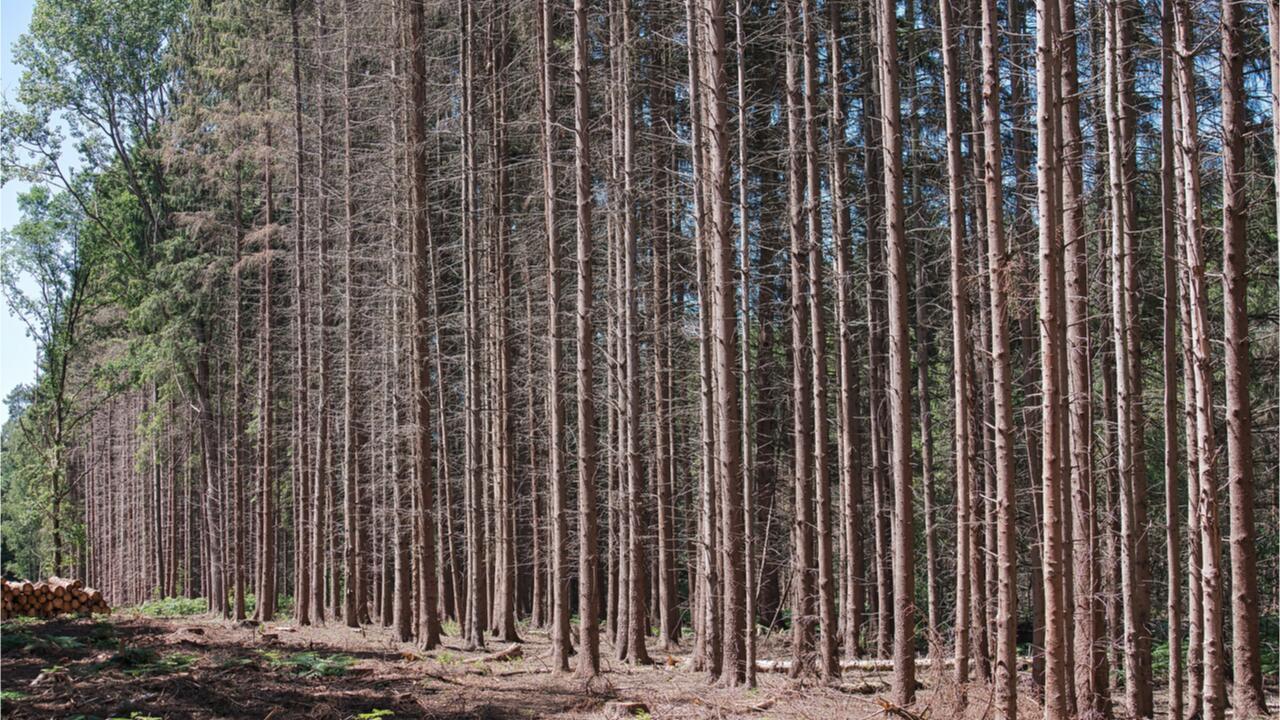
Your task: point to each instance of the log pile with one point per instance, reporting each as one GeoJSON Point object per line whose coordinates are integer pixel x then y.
{"type": "Point", "coordinates": [56, 596]}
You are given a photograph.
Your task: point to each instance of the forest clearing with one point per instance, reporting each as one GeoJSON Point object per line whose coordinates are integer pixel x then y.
{"type": "Point", "coordinates": [776, 358]}
{"type": "Point", "coordinates": [135, 665]}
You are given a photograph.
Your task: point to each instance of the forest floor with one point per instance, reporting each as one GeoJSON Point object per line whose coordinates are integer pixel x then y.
{"type": "Point", "coordinates": [131, 666]}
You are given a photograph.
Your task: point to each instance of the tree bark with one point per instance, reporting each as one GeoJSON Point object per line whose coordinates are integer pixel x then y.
{"type": "Point", "coordinates": [429, 623]}
{"type": "Point", "coordinates": [724, 321]}
{"type": "Point", "coordinates": [904, 684]}
{"type": "Point", "coordinates": [561, 642]}
{"type": "Point", "coordinates": [1051, 355]}
{"type": "Point", "coordinates": [1247, 700]}
{"type": "Point", "coordinates": [959, 338]}
{"type": "Point", "coordinates": [802, 533]}
{"type": "Point", "coordinates": [589, 631]}
{"type": "Point", "coordinates": [1169, 352]}
{"type": "Point", "coordinates": [353, 566]}
{"type": "Point", "coordinates": [829, 633]}
{"type": "Point", "coordinates": [848, 446]}
{"type": "Point", "coordinates": [1006, 614]}
{"type": "Point", "coordinates": [302, 409]}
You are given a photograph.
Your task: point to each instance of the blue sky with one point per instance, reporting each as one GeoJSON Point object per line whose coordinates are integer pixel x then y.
{"type": "Point", "coordinates": [17, 351]}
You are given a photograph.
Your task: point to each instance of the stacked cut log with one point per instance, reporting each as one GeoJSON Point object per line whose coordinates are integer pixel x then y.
{"type": "Point", "coordinates": [56, 596]}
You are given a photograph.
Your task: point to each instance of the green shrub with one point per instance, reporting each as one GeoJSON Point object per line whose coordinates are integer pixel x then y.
{"type": "Point", "coordinates": [309, 664]}
{"type": "Point", "coordinates": [174, 607]}
{"type": "Point", "coordinates": [15, 638]}
{"type": "Point", "coordinates": [137, 662]}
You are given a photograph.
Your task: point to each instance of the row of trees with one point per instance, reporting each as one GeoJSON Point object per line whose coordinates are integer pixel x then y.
{"type": "Point", "coordinates": [308, 345]}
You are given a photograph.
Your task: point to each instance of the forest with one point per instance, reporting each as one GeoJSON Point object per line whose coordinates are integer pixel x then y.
{"type": "Point", "coordinates": [740, 346]}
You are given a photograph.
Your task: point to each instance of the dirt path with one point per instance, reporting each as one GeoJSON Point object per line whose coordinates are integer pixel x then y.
{"type": "Point", "coordinates": [130, 666]}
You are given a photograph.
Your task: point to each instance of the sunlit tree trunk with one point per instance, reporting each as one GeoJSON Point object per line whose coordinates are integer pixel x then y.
{"type": "Point", "coordinates": [588, 584]}
{"type": "Point", "coordinates": [959, 337]}
{"type": "Point", "coordinates": [904, 683]}
{"type": "Point", "coordinates": [1006, 613]}
{"type": "Point", "coordinates": [724, 330]}
{"type": "Point", "coordinates": [1057, 706]}
{"type": "Point", "coordinates": [1168, 355]}
{"type": "Point", "coordinates": [1247, 699]}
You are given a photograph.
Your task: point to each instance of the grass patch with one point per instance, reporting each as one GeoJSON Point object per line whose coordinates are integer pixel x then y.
{"type": "Point", "coordinates": [174, 607]}
{"type": "Point", "coordinates": [234, 663]}
{"type": "Point", "coordinates": [15, 638]}
{"type": "Point", "coordinates": [137, 662]}
{"type": "Point", "coordinates": [20, 639]}
{"type": "Point", "coordinates": [309, 664]}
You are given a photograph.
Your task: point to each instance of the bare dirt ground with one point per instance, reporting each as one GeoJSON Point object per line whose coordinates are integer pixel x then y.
{"type": "Point", "coordinates": [128, 666]}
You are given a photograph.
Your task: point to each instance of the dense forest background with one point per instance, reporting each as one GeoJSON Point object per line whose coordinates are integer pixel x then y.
{"type": "Point", "coordinates": [897, 326]}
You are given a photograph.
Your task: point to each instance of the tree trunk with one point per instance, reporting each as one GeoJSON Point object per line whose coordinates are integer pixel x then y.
{"type": "Point", "coordinates": [720, 250]}
{"type": "Point", "coordinates": [1204, 511]}
{"type": "Point", "coordinates": [1247, 700]}
{"type": "Point", "coordinates": [707, 648]}
{"type": "Point", "coordinates": [561, 643]}
{"type": "Point", "coordinates": [353, 565]}
{"type": "Point", "coordinates": [1057, 706]}
{"type": "Point", "coordinates": [320, 524]}
{"type": "Point", "coordinates": [848, 446]}
{"type": "Point", "coordinates": [637, 564]}
{"type": "Point", "coordinates": [1169, 351]}
{"type": "Point", "coordinates": [429, 622]}
{"type": "Point", "coordinates": [802, 534]}
{"type": "Point", "coordinates": [904, 684]}
{"type": "Point", "coordinates": [1006, 613]}
{"type": "Point", "coordinates": [1089, 673]}
{"type": "Point", "coordinates": [302, 409]}
{"type": "Point", "coordinates": [960, 351]}
{"type": "Point", "coordinates": [588, 586]}
{"type": "Point", "coordinates": [830, 661]}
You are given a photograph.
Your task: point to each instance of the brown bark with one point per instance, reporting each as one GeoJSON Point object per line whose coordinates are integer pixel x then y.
{"type": "Point", "coordinates": [1089, 674]}
{"type": "Point", "coordinates": [320, 525]}
{"type": "Point", "coordinates": [848, 446]}
{"type": "Point", "coordinates": [744, 367]}
{"type": "Point", "coordinates": [637, 564]}
{"type": "Point", "coordinates": [1051, 357]}
{"type": "Point", "coordinates": [266, 584]}
{"type": "Point", "coordinates": [802, 536]}
{"type": "Point", "coordinates": [589, 631]}
{"type": "Point", "coordinates": [429, 623]}
{"type": "Point", "coordinates": [302, 409]}
{"type": "Point", "coordinates": [1247, 700]}
{"type": "Point", "coordinates": [477, 564]}
{"type": "Point", "coordinates": [959, 338]}
{"type": "Point", "coordinates": [1169, 352]}
{"type": "Point", "coordinates": [724, 320]}
{"type": "Point", "coordinates": [707, 645]}
{"type": "Point", "coordinates": [904, 684]}
{"type": "Point", "coordinates": [1204, 511]}
{"type": "Point", "coordinates": [561, 642]}
{"type": "Point", "coordinates": [352, 613]}
{"type": "Point", "coordinates": [1006, 613]}
{"type": "Point", "coordinates": [829, 665]}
